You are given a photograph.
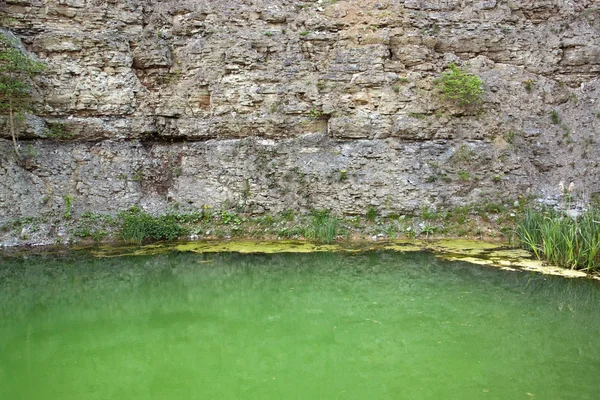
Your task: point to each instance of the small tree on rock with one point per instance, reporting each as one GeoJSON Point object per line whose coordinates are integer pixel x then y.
{"type": "Point", "coordinates": [16, 70]}
{"type": "Point", "coordinates": [460, 87]}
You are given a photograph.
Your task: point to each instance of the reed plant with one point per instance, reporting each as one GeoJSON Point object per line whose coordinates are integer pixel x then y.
{"type": "Point", "coordinates": [324, 227]}
{"type": "Point", "coordinates": [570, 242]}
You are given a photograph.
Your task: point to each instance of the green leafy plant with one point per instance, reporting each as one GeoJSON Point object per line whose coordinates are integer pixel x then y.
{"type": "Point", "coordinates": [58, 131]}
{"type": "Point", "coordinates": [463, 176]}
{"type": "Point", "coordinates": [315, 113]}
{"type": "Point", "coordinates": [16, 70]}
{"type": "Point", "coordinates": [139, 226]}
{"type": "Point", "coordinates": [510, 136]}
{"type": "Point", "coordinates": [371, 214]}
{"type": "Point", "coordinates": [464, 155]}
{"type": "Point", "coordinates": [528, 84]}
{"type": "Point", "coordinates": [68, 206]}
{"type": "Point", "coordinates": [460, 87]}
{"type": "Point", "coordinates": [30, 151]}
{"type": "Point", "coordinates": [554, 117]}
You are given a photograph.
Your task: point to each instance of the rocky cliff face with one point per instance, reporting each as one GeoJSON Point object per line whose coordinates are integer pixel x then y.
{"type": "Point", "coordinates": [301, 104]}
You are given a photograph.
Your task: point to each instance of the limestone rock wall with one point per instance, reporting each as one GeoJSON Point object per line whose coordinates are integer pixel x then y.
{"type": "Point", "coordinates": [301, 104]}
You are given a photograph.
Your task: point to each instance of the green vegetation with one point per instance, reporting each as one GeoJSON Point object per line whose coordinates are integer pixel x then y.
{"type": "Point", "coordinates": [139, 226]}
{"type": "Point", "coordinates": [16, 69]}
{"type": "Point", "coordinates": [474, 220]}
{"type": "Point", "coordinates": [315, 113]}
{"type": "Point", "coordinates": [463, 155]}
{"type": "Point", "coordinates": [324, 227]}
{"type": "Point", "coordinates": [510, 136]}
{"type": "Point", "coordinates": [58, 131]}
{"type": "Point", "coordinates": [68, 206]}
{"type": "Point", "coordinates": [30, 151]}
{"type": "Point", "coordinates": [554, 117]}
{"type": "Point", "coordinates": [371, 214]}
{"type": "Point", "coordinates": [460, 87]}
{"type": "Point", "coordinates": [560, 239]}
{"type": "Point", "coordinates": [528, 84]}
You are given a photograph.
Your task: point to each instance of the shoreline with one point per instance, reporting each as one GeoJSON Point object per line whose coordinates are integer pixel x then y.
{"type": "Point", "coordinates": [492, 253]}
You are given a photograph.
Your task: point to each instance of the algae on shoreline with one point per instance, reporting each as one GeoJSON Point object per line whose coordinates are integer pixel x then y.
{"type": "Point", "coordinates": [497, 255]}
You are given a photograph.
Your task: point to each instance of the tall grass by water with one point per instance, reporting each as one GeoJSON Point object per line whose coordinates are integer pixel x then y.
{"type": "Point", "coordinates": [324, 227]}
{"type": "Point", "coordinates": [561, 239]}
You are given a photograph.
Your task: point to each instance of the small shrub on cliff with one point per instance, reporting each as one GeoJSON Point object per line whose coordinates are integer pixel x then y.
{"type": "Point", "coordinates": [460, 87]}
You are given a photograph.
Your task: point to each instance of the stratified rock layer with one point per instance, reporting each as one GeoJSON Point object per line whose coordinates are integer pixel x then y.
{"type": "Point", "coordinates": [285, 104]}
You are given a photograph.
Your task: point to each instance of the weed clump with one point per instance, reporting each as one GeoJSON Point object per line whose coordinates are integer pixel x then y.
{"type": "Point", "coordinates": [139, 226]}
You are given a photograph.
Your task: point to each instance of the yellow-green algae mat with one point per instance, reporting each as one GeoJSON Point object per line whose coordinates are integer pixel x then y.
{"type": "Point", "coordinates": [473, 251]}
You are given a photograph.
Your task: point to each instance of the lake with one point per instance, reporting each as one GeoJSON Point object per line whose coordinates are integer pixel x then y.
{"type": "Point", "coordinates": [331, 325]}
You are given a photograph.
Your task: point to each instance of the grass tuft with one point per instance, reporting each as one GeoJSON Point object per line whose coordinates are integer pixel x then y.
{"type": "Point", "coordinates": [324, 227]}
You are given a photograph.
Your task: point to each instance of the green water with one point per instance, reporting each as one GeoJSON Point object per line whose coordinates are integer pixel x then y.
{"type": "Point", "coordinates": [375, 325]}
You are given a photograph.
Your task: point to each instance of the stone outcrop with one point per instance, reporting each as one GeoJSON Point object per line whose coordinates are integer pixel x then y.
{"type": "Point", "coordinates": [263, 103]}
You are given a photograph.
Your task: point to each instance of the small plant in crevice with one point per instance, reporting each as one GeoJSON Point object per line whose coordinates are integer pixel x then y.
{"type": "Point", "coordinates": [464, 176]}
{"type": "Point", "coordinates": [246, 190]}
{"type": "Point", "coordinates": [371, 214]}
{"type": "Point", "coordinates": [58, 131]}
{"type": "Point", "coordinates": [343, 175]}
{"type": "Point", "coordinates": [464, 155]}
{"type": "Point", "coordinates": [30, 151]}
{"type": "Point", "coordinates": [68, 199]}
{"type": "Point", "coordinates": [274, 107]}
{"type": "Point", "coordinates": [528, 84]}
{"type": "Point", "coordinates": [554, 117]}
{"type": "Point", "coordinates": [510, 136]}
{"type": "Point", "coordinates": [315, 114]}
{"type": "Point", "coordinates": [138, 176]}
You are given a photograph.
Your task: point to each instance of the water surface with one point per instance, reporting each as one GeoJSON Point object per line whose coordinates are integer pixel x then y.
{"type": "Point", "coordinates": [372, 325]}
